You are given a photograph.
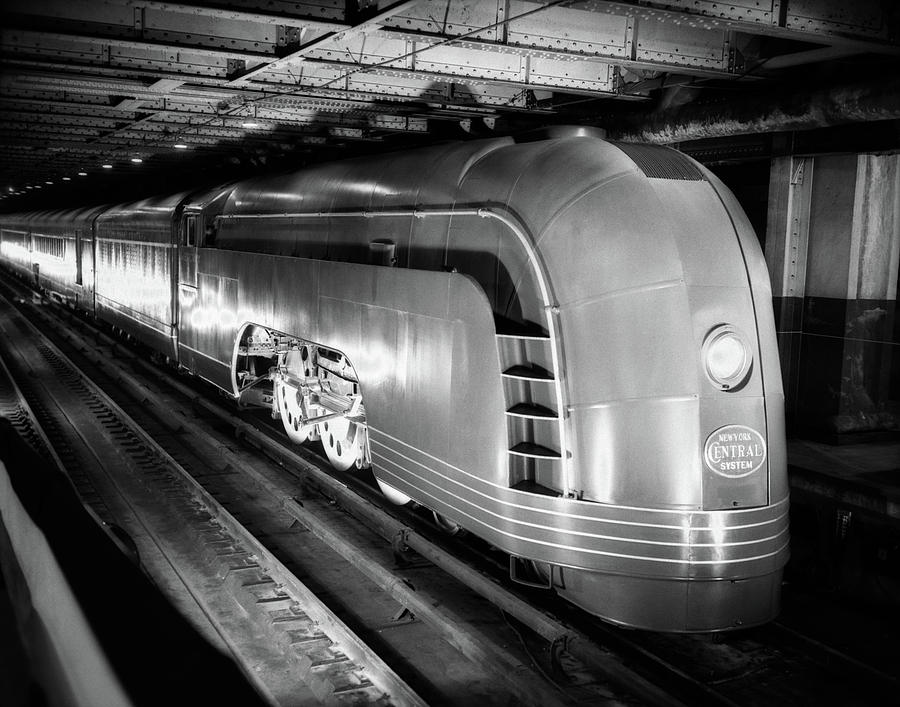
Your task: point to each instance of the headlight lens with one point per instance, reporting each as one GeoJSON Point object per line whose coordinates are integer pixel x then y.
{"type": "Point", "coordinates": [726, 357]}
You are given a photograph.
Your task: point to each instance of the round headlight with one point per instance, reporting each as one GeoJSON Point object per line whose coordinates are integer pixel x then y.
{"type": "Point", "coordinates": [726, 357]}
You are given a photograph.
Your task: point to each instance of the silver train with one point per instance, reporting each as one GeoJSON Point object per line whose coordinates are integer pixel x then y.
{"type": "Point", "coordinates": [565, 346]}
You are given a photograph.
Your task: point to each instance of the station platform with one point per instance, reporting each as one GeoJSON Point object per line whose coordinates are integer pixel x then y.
{"type": "Point", "coordinates": [864, 477]}
{"type": "Point", "coordinates": [845, 525]}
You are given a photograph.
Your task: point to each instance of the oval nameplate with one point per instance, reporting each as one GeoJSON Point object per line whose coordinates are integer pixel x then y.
{"type": "Point", "coordinates": [734, 451]}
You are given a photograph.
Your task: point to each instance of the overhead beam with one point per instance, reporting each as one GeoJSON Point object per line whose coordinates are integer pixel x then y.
{"type": "Point", "coordinates": [606, 57]}
{"type": "Point", "coordinates": [475, 76]}
{"type": "Point", "coordinates": [784, 24]}
{"type": "Point", "coordinates": [375, 21]}
{"type": "Point", "coordinates": [223, 12]}
{"type": "Point", "coordinates": [295, 14]}
{"type": "Point", "coordinates": [65, 87]}
{"type": "Point", "coordinates": [36, 37]}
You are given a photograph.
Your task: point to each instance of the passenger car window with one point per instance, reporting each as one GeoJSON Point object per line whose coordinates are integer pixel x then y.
{"type": "Point", "coordinates": [189, 232]}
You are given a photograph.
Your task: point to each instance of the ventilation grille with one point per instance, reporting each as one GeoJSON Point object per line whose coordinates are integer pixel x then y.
{"type": "Point", "coordinates": [661, 162]}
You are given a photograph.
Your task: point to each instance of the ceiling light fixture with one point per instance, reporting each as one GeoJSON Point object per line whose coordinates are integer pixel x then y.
{"type": "Point", "coordinates": [82, 174]}
{"type": "Point", "coordinates": [48, 182]}
{"type": "Point", "coordinates": [249, 124]}
{"type": "Point", "coordinates": [67, 179]}
{"type": "Point", "coordinates": [136, 160]}
{"type": "Point", "coordinates": [180, 146]}
{"type": "Point", "coordinates": [107, 166]}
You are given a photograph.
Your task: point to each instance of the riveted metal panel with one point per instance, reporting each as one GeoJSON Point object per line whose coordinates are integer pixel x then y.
{"type": "Point", "coordinates": [681, 45]}
{"type": "Point", "coordinates": [706, 14]}
{"type": "Point", "coordinates": [863, 17]}
{"type": "Point", "coordinates": [192, 30]}
{"type": "Point", "coordinates": [463, 62]}
{"type": "Point", "coordinates": [465, 17]}
{"type": "Point", "coordinates": [578, 75]}
{"type": "Point", "coordinates": [568, 29]}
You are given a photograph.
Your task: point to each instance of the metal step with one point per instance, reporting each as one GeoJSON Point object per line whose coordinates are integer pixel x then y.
{"type": "Point", "coordinates": [532, 411]}
{"type": "Point", "coordinates": [534, 451]}
{"type": "Point", "coordinates": [531, 373]}
{"type": "Point", "coordinates": [508, 328]}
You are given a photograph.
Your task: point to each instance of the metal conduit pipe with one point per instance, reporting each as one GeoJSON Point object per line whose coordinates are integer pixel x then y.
{"type": "Point", "coordinates": [766, 113]}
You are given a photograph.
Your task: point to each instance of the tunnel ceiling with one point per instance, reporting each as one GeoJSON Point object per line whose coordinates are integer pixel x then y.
{"type": "Point", "coordinates": [220, 88]}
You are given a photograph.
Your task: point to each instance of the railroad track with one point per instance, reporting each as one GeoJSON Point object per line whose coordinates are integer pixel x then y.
{"type": "Point", "coordinates": [186, 538]}
{"type": "Point", "coordinates": [725, 670]}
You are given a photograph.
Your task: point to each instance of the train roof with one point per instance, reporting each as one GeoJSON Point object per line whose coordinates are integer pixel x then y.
{"type": "Point", "coordinates": [152, 207]}
{"type": "Point", "coordinates": [205, 198]}
{"type": "Point", "coordinates": [391, 180]}
{"type": "Point", "coordinates": [57, 218]}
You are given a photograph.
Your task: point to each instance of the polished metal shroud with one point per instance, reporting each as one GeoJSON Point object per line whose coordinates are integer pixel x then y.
{"type": "Point", "coordinates": [612, 264]}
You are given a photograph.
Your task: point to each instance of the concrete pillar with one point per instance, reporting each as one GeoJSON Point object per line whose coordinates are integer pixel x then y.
{"type": "Point", "coordinates": [833, 247]}
{"type": "Point", "coordinates": [787, 236]}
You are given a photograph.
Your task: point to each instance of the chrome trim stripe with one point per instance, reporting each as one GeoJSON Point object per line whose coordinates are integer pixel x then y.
{"type": "Point", "coordinates": [572, 531]}
{"type": "Point", "coordinates": [591, 505]}
{"type": "Point", "coordinates": [580, 549]}
{"type": "Point", "coordinates": [556, 540]}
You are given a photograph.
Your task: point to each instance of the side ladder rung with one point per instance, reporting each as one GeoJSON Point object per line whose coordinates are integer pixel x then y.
{"type": "Point", "coordinates": [531, 373]}
{"type": "Point", "coordinates": [534, 451]}
{"type": "Point", "coordinates": [532, 411]}
{"type": "Point", "coordinates": [508, 328]}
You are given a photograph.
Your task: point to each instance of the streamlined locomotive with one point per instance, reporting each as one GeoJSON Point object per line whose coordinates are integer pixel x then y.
{"type": "Point", "coordinates": [565, 346]}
